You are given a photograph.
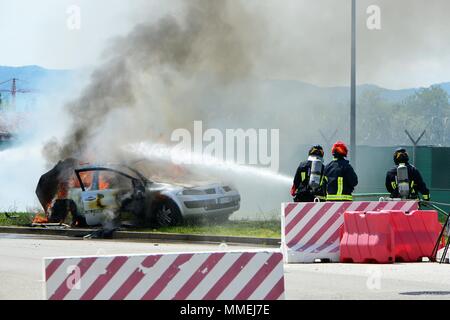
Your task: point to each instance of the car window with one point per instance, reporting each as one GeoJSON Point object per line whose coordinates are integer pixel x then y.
{"type": "Point", "coordinates": [110, 180]}
{"type": "Point", "coordinates": [86, 178]}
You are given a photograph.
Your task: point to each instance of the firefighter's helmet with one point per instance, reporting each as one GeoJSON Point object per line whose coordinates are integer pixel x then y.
{"type": "Point", "coordinates": [339, 149]}
{"type": "Point", "coordinates": [401, 156]}
{"type": "Point", "coordinates": [316, 150]}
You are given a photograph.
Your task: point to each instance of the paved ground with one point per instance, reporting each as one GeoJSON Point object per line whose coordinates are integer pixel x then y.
{"type": "Point", "coordinates": [21, 271]}
{"type": "Point", "coordinates": [362, 282]}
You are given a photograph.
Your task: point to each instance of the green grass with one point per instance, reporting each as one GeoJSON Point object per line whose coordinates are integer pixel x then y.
{"type": "Point", "coordinates": [238, 228]}
{"type": "Point", "coordinates": [17, 219]}
{"type": "Point", "coordinates": [257, 229]}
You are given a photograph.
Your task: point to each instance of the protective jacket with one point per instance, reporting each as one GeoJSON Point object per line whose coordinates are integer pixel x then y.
{"type": "Point", "coordinates": [302, 192]}
{"type": "Point", "coordinates": [416, 183]}
{"type": "Point", "coordinates": [341, 180]}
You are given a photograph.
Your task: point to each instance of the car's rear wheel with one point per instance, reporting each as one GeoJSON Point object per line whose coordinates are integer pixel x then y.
{"type": "Point", "coordinates": [167, 214]}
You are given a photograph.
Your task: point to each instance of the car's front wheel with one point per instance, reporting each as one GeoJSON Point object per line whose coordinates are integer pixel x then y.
{"type": "Point", "coordinates": [167, 214]}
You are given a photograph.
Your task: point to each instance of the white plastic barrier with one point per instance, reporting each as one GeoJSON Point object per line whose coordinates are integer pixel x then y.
{"type": "Point", "coordinates": [234, 275]}
{"type": "Point", "coordinates": [311, 231]}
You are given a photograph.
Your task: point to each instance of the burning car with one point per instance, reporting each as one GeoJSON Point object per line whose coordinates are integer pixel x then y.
{"type": "Point", "coordinates": [104, 194]}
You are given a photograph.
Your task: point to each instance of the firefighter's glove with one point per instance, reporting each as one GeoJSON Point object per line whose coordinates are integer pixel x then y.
{"type": "Point", "coordinates": [293, 191]}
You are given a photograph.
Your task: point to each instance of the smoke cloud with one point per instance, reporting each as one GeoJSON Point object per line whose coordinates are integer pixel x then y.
{"type": "Point", "coordinates": [212, 60]}
{"type": "Point", "coordinates": [157, 78]}
{"type": "Point", "coordinates": [311, 42]}
{"type": "Point", "coordinates": [197, 65]}
{"type": "Point", "coordinates": [165, 75]}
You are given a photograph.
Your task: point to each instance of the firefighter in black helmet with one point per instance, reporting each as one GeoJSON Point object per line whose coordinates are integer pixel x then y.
{"type": "Point", "coordinates": [340, 177]}
{"type": "Point", "coordinates": [309, 180]}
{"type": "Point", "coordinates": [404, 180]}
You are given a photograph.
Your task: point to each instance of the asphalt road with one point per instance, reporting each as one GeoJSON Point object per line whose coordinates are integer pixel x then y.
{"type": "Point", "coordinates": [21, 270]}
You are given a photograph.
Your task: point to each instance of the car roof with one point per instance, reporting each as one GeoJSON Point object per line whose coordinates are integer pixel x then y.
{"type": "Point", "coordinates": [121, 168]}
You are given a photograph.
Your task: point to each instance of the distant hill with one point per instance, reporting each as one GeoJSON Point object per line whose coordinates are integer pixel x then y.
{"type": "Point", "coordinates": [34, 77]}
{"type": "Point", "coordinates": [284, 93]}
{"type": "Point", "coordinates": [41, 78]}
{"type": "Point", "coordinates": [343, 93]}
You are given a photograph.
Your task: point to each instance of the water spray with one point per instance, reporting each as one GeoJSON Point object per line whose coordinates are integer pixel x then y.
{"type": "Point", "coordinates": [179, 156]}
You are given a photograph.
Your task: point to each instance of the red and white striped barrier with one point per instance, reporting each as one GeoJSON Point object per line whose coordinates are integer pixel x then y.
{"type": "Point", "coordinates": [311, 231]}
{"type": "Point", "coordinates": [249, 275]}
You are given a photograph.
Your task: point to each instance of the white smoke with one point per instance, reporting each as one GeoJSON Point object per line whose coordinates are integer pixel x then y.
{"type": "Point", "coordinates": [23, 164]}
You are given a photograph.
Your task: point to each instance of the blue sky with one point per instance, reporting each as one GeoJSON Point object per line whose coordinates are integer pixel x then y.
{"type": "Point", "coordinates": [36, 32]}
{"type": "Point", "coordinates": [306, 39]}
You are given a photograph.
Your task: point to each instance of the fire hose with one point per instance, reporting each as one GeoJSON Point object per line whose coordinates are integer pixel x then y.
{"type": "Point", "coordinates": [432, 205]}
{"type": "Point", "coordinates": [439, 204]}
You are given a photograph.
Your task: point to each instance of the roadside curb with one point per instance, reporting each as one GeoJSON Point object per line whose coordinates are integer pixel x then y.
{"type": "Point", "coordinates": [129, 235]}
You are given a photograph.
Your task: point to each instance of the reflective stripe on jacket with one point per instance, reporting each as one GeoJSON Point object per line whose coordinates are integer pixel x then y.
{"type": "Point", "coordinates": [301, 184]}
{"type": "Point", "coordinates": [341, 180]}
{"type": "Point", "coordinates": [416, 183]}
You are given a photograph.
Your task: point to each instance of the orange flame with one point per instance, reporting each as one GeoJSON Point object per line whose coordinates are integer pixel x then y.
{"type": "Point", "coordinates": [62, 190]}
{"type": "Point", "coordinates": [39, 218]}
{"type": "Point", "coordinates": [103, 184]}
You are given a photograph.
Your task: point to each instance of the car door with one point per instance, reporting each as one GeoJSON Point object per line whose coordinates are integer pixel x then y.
{"type": "Point", "coordinates": [100, 195]}
{"type": "Point", "coordinates": [99, 200]}
{"type": "Point", "coordinates": [110, 193]}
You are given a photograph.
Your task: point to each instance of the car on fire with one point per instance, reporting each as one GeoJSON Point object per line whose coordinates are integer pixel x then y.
{"type": "Point", "coordinates": [100, 194]}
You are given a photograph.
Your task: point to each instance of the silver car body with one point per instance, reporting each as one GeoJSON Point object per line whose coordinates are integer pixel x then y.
{"type": "Point", "coordinates": [206, 200]}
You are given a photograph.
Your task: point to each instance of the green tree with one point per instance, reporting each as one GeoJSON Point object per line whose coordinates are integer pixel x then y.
{"type": "Point", "coordinates": [374, 125]}
{"type": "Point", "coordinates": [428, 108]}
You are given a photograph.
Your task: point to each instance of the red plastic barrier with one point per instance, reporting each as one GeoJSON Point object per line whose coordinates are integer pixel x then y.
{"type": "Point", "coordinates": [416, 234]}
{"type": "Point", "coordinates": [367, 238]}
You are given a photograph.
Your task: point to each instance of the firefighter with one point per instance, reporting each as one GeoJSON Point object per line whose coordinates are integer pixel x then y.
{"type": "Point", "coordinates": [340, 177]}
{"type": "Point", "coordinates": [309, 179]}
{"type": "Point", "coordinates": [404, 180]}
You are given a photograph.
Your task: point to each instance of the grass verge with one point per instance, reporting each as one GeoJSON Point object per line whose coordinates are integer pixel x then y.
{"type": "Point", "coordinates": [19, 219]}
{"type": "Point", "coordinates": [237, 228]}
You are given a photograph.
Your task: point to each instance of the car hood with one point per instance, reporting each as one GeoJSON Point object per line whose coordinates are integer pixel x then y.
{"type": "Point", "coordinates": [186, 185]}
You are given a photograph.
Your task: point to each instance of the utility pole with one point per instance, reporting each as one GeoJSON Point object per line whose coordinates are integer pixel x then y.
{"type": "Point", "coordinates": [415, 143]}
{"type": "Point", "coordinates": [13, 93]}
{"type": "Point", "coordinates": [353, 90]}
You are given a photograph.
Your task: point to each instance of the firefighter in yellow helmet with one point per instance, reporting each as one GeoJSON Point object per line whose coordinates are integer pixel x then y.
{"type": "Point", "coordinates": [404, 180]}
{"type": "Point", "coordinates": [309, 179]}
